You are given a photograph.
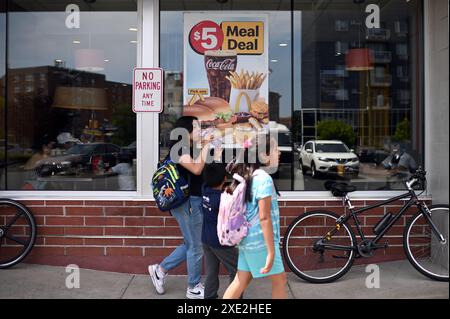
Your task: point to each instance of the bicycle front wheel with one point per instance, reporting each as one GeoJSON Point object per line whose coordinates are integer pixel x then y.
{"type": "Point", "coordinates": [426, 252]}
{"type": "Point", "coordinates": [17, 232]}
{"type": "Point", "coordinates": [313, 262]}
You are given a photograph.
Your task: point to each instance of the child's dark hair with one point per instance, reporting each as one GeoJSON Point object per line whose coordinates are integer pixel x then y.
{"type": "Point", "coordinates": [186, 122]}
{"type": "Point", "coordinates": [214, 174]}
{"type": "Point", "coordinates": [249, 160]}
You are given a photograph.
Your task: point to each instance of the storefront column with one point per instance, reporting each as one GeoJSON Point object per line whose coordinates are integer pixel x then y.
{"type": "Point", "coordinates": [436, 104]}
{"type": "Point", "coordinates": [436, 99]}
{"type": "Point", "coordinates": [148, 126]}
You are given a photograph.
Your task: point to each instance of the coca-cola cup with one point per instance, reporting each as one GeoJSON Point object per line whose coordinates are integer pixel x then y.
{"type": "Point", "coordinates": [218, 65]}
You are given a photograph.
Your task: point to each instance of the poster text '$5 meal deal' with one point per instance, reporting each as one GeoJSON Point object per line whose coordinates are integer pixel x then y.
{"type": "Point", "coordinates": [243, 37]}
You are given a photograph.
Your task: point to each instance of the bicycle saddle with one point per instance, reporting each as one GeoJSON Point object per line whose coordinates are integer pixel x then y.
{"type": "Point", "coordinates": [339, 189]}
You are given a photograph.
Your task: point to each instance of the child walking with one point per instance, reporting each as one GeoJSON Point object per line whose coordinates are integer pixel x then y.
{"type": "Point", "coordinates": [214, 176]}
{"type": "Point", "coordinates": [188, 215]}
{"type": "Point", "coordinates": [259, 251]}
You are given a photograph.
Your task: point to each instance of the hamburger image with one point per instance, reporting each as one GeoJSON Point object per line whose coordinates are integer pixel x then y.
{"type": "Point", "coordinates": [242, 117]}
{"type": "Point", "coordinates": [223, 114]}
{"type": "Point", "coordinates": [217, 104]}
{"type": "Point", "coordinates": [212, 112]}
{"type": "Point", "coordinates": [201, 112]}
{"type": "Point", "coordinates": [215, 115]}
{"type": "Point", "coordinates": [260, 111]}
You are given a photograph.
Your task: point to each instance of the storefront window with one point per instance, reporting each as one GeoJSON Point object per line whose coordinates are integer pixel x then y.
{"type": "Point", "coordinates": [70, 124]}
{"type": "Point", "coordinates": [338, 115]}
{"type": "Point", "coordinates": [275, 68]}
{"type": "Point", "coordinates": [374, 110]}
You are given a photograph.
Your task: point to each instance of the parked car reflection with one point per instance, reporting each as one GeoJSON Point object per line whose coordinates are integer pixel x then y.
{"type": "Point", "coordinates": [131, 149]}
{"type": "Point", "coordinates": [80, 159]}
{"type": "Point", "coordinates": [328, 157]}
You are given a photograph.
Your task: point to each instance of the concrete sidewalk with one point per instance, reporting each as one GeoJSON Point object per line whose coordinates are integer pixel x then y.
{"type": "Point", "coordinates": [397, 280]}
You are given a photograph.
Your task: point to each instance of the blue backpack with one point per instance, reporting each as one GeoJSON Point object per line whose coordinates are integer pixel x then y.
{"type": "Point", "coordinates": [170, 189]}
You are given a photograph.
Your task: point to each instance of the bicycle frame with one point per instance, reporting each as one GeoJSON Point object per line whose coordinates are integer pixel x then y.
{"type": "Point", "coordinates": [413, 200]}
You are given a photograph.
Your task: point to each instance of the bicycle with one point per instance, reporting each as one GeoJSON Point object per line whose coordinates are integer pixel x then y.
{"type": "Point", "coordinates": [17, 232]}
{"type": "Point", "coordinates": [321, 246]}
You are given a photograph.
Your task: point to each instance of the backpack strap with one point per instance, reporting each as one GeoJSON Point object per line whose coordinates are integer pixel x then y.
{"type": "Point", "coordinates": [255, 218]}
{"type": "Point", "coordinates": [239, 178]}
{"type": "Point", "coordinates": [167, 158]}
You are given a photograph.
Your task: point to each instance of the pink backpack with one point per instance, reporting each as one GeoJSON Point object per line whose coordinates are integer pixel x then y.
{"type": "Point", "coordinates": [232, 226]}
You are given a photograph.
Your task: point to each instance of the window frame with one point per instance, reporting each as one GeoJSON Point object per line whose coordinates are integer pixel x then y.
{"type": "Point", "coordinates": [98, 195]}
{"type": "Point", "coordinates": [147, 144]}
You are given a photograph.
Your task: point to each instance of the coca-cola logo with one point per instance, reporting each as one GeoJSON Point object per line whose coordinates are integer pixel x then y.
{"type": "Point", "coordinates": [224, 65]}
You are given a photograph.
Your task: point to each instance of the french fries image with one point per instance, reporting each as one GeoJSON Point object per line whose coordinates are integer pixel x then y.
{"type": "Point", "coordinates": [246, 80]}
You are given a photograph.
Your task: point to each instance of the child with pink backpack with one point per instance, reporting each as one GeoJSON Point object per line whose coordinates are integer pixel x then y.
{"type": "Point", "coordinates": [215, 176]}
{"type": "Point", "coordinates": [258, 235]}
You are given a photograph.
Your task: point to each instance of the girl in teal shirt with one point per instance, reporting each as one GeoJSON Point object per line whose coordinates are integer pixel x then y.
{"type": "Point", "coordinates": [259, 251]}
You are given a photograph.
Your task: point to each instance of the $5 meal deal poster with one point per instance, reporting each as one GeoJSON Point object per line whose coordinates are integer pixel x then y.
{"type": "Point", "coordinates": [226, 57]}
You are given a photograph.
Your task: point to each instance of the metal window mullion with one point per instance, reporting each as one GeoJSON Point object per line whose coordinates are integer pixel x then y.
{"type": "Point", "coordinates": [148, 126]}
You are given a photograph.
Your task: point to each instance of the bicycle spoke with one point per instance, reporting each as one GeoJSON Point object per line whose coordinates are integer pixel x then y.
{"type": "Point", "coordinates": [17, 240]}
{"type": "Point", "coordinates": [308, 254]}
{"type": "Point", "coordinates": [18, 233]}
{"type": "Point", "coordinates": [10, 223]}
{"type": "Point", "coordinates": [427, 253]}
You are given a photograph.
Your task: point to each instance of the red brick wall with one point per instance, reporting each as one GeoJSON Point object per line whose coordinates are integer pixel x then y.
{"type": "Point", "coordinates": [126, 236]}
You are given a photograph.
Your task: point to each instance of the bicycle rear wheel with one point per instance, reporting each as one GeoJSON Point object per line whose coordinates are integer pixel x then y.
{"type": "Point", "coordinates": [17, 232]}
{"type": "Point", "coordinates": [318, 265]}
{"type": "Point", "coordinates": [426, 252]}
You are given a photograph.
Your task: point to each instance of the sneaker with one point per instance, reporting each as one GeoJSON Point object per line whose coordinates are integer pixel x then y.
{"type": "Point", "coordinates": [158, 278]}
{"type": "Point", "coordinates": [197, 292]}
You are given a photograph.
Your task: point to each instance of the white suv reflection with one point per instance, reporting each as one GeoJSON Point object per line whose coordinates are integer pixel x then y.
{"type": "Point", "coordinates": [328, 157]}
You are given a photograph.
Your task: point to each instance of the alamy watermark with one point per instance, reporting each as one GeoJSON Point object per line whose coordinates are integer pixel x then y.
{"type": "Point", "coordinates": [373, 279]}
{"type": "Point", "coordinates": [73, 277]}
{"type": "Point", "coordinates": [73, 17]}
{"type": "Point", "coordinates": [254, 146]}
{"type": "Point", "coordinates": [373, 19]}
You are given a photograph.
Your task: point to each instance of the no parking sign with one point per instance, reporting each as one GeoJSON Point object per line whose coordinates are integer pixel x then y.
{"type": "Point", "coordinates": [148, 90]}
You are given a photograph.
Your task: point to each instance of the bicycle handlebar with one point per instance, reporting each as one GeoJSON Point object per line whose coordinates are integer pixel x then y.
{"type": "Point", "coordinates": [418, 176]}
{"type": "Point", "coordinates": [419, 173]}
